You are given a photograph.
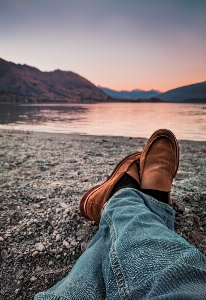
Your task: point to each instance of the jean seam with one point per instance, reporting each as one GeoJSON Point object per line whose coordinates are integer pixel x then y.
{"type": "Point", "coordinates": [50, 297]}
{"type": "Point", "coordinates": [116, 267]}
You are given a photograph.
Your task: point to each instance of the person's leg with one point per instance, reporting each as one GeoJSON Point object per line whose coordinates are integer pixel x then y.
{"type": "Point", "coordinates": [146, 258]}
{"type": "Point", "coordinates": [135, 255]}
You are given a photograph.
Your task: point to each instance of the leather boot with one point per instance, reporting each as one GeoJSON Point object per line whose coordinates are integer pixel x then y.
{"type": "Point", "coordinates": [159, 162]}
{"type": "Point", "coordinates": [93, 201]}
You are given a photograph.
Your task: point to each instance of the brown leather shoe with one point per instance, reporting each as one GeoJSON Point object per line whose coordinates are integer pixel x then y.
{"type": "Point", "coordinates": [93, 201]}
{"type": "Point", "coordinates": [159, 162]}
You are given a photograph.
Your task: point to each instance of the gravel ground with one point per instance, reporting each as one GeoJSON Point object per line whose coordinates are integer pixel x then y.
{"type": "Point", "coordinates": [42, 179]}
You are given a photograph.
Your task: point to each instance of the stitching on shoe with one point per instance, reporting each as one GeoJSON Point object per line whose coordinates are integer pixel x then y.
{"type": "Point", "coordinates": [113, 174]}
{"type": "Point", "coordinates": [172, 174]}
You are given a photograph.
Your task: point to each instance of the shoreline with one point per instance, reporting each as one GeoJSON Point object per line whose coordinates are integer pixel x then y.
{"type": "Point", "coordinates": [109, 100]}
{"type": "Point", "coordinates": [40, 132]}
{"type": "Point", "coordinates": [42, 179]}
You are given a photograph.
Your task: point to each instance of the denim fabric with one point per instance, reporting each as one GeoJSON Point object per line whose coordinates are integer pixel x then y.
{"type": "Point", "coordinates": [135, 255]}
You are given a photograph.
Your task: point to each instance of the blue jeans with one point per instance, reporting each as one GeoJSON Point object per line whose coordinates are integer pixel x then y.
{"type": "Point", "coordinates": [135, 255]}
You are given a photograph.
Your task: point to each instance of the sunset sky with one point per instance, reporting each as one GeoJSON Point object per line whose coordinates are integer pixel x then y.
{"type": "Point", "coordinates": [119, 44]}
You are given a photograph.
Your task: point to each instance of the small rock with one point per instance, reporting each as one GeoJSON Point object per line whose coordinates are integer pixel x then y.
{"type": "Point", "coordinates": [67, 210]}
{"type": "Point", "coordinates": [19, 273]}
{"type": "Point", "coordinates": [50, 263]}
{"type": "Point", "coordinates": [53, 251]}
{"type": "Point", "coordinates": [73, 243]}
{"type": "Point", "coordinates": [1, 239]}
{"type": "Point", "coordinates": [16, 291]}
{"type": "Point", "coordinates": [4, 254]}
{"type": "Point", "coordinates": [50, 229]}
{"type": "Point", "coordinates": [187, 210]}
{"type": "Point", "coordinates": [81, 233]}
{"type": "Point", "coordinates": [186, 215]}
{"type": "Point", "coordinates": [63, 205]}
{"type": "Point", "coordinates": [38, 269]}
{"type": "Point", "coordinates": [41, 198]}
{"type": "Point", "coordinates": [66, 244]}
{"type": "Point", "coordinates": [201, 229]}
{"type": "Point", "coordinates": [33, 278]}
{"type": "Point", "coordinates": [7, 234]}
{"type": "Point", "coordinates": [35, 253]}
{"type": "Point", "coordinates": [39, 247]}
{"type": "Point", "coordinates": [58, 237]}
{"type": "Point", "coordinates": [190, 223]}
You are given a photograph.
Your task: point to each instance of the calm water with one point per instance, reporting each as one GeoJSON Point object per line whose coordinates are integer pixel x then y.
{"type": "Point", "coordinates": [187, 121]}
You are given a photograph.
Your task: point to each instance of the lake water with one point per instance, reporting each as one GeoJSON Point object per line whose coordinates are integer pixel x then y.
{"type": "Point", "coordinates": [187, 121]}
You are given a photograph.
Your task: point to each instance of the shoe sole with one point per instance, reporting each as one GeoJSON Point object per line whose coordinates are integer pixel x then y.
{"type": "Point", "coordinates": [84, 200]}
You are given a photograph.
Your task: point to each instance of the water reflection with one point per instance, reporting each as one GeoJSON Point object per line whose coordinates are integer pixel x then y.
{"type": "Point", "coordinates": [39, 114]}
{"type": "Point", "coordinates": [187, 121]}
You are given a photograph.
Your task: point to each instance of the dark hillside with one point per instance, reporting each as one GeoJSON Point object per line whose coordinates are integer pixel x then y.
{"type": "Point", "coordinates": [55, 85]}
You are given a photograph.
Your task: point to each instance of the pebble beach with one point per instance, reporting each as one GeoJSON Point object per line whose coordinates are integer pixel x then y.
{"type": "Point", "coordinates": [42, 179]}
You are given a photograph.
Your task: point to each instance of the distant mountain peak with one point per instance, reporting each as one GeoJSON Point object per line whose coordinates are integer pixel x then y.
{"type": "Point", "coordinates": [134, 94]}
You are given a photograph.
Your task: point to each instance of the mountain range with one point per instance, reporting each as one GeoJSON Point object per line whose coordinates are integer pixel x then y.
{"type": "Point", "coordinates": [190, 93]}
{"type": "Point", "coordinates": [56, 85]}
{"type": "Point", "coordinates": [134, 94]}
{"type": "Point", "coordinates": [19, 81]}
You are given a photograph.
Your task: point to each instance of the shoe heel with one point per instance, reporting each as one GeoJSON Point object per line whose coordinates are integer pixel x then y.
{"type": "Point", "coordinates": [84, 200]}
